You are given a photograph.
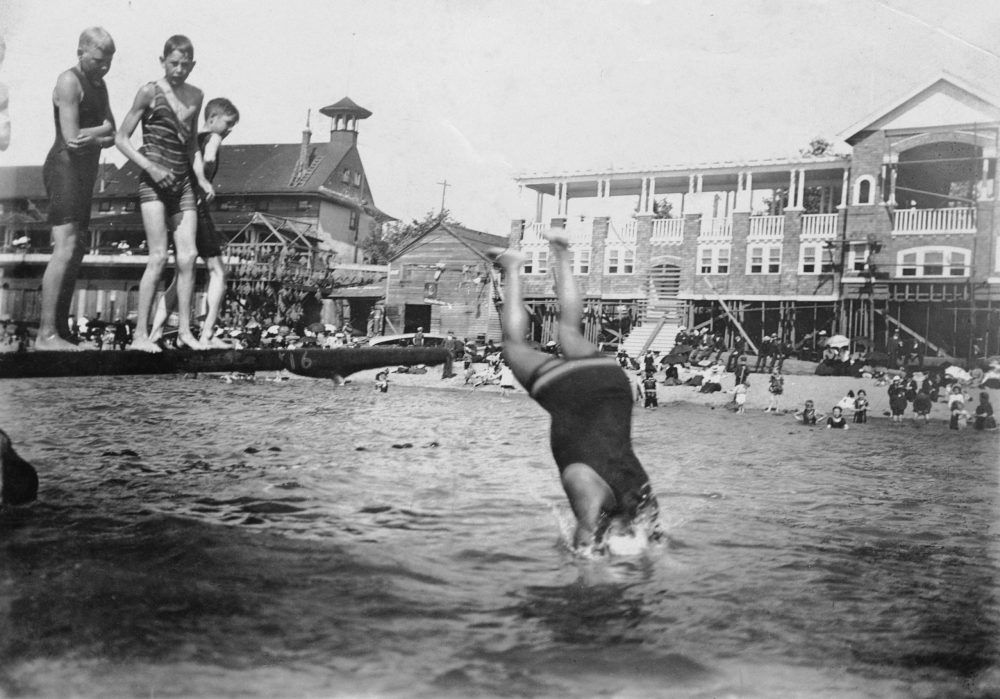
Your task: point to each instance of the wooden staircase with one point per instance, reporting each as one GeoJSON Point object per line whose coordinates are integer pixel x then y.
{"type": "Point", "coordinates": [664, 313]}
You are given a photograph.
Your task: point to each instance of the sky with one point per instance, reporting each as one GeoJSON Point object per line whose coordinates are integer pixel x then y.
{"type": "Point", "coordinates": [476, 92]}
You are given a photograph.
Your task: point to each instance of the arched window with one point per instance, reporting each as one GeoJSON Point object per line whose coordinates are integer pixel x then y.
{"type": "Point", "coordinates": [864, 190]}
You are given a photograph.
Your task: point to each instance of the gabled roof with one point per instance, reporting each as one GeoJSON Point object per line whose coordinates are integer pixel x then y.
{"type": "Point", "coordinates": [476, 241]}
{"type": "Point", "coordinates": [262, 168]}
{"type": "Point", "coordinates": [25, 181]}
{"type": "Point", "coordinates": [945, 101]}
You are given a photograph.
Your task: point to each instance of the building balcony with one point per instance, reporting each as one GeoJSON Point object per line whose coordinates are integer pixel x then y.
{"type": "Point", "coordinates": [716, 230]}
{"type": "Point", "coordinates": [667, 231]}
{"type": "Point", "coordinates": [767, 228]}
{"type": "Point", "coordinates": [922, 221]}
{"type": "Point", "coordinates": [820, 226]}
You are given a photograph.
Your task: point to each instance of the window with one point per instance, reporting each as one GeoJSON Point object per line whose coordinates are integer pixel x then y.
{"type": "Point", "coordinates": [304, 205]}
{"type": "Point", "coordinates": [536, 260]}
{"type": "Point", "coordinates": [104, 206]}
{"type": "Point", "coordinates": [581, 261]}
{"type": "Point", "coordinates": [815, 258]}
{"type": "Point", "coordinates": [355, 217]}
{"type": "Point", "coordinates": [713, 259]}
{"type": "Point", "coordinates": [621, 260]}
{"type": "Point", "coordinates": [357, 179]}
{"type": "Point", "coordinates": [934, 261]}
{"type": "Point", "coordinates": [763, 259]}
{"type": "Point", "coordinates": [130, 206]}
{"type": "Point", "coordinates": [345, 176]}
{"type": "Point", "coordinates": [864, 190]}
{"type": "Point", "coordinates": [857, 257]}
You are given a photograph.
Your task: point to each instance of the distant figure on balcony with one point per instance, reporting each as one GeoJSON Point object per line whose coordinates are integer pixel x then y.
{"type": "Point", "coordinates": [84, 125]}
{"type": "Point", "coordinates": [590, 401]}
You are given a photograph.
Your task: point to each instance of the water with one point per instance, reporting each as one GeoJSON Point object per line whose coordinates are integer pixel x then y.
{"type": "Point", "coordinates": [195, 538]}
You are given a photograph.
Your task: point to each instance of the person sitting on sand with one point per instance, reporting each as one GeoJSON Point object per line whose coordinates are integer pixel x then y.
{"type": "Point", "coordinates": [590, 404]}
{"type": "Point", "coordinates": [836, 421]}
{"type": "Point", "coordinates": [984, 413]}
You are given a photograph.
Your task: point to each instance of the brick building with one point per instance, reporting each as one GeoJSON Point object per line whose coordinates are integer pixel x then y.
{"type": "Point", "coordinates": [901, 233]}
{"type": "Point", "coordinates": [320, 186]}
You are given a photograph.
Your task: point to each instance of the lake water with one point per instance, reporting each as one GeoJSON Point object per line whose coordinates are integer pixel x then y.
{"type": "Point", "coordinates": [195, 538]}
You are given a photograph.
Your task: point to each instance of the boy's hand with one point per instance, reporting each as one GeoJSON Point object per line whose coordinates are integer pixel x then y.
{"type": "Point", "coordinates": [82, 141]}
{"type": "Point", "coordinates": [208, 191]}
{"type": "Point", "coordinates": [160, 175]}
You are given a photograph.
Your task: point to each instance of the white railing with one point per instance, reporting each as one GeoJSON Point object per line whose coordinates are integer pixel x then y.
{"type": "Point", "coordinates": [716, 229]}
{"type": "Point", "coordinates": [622, 232]}
{"type": "Point", "coordinates": [533, 232]}
{"type": "Point", "coordinates": [767, 227]}
{"type": "Point", "coordinates": [667, 231]}
{"type": "Point", "coordinates": [820, 226]}
{"type": "Point", "coordinates": [955, 220]}
{"type": "Point", "coordinates": [579, 231]}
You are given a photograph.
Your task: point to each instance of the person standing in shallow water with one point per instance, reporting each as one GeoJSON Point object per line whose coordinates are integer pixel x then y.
{"type": "Point", "coordinates": [589, 400]}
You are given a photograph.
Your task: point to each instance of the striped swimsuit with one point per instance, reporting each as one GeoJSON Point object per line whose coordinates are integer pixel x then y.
{"type": "Point", "coordinates": [165, 142]}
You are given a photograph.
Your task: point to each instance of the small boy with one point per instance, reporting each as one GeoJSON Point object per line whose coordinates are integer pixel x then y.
{"type": "Point", "coordinates": [649, 390]}
{"type": "Point", "coordinates": [221, 117]}
{"type": "Point", "coordinates": [382, 382]}
{"type": "Point", "coordinates": [84, 125]}
{"type": "Point", "coordinates": [808, 414]}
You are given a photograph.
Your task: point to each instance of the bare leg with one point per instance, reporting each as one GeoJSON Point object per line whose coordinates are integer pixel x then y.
{"type": "Point", "coordinates": [571, 340]}
{"type": "Point", "coordinates": [522, 359]}
{"type": "Point", "coordinates": [166, 302]}
{"type": "Point", "coordinates": [216, 295]}
{"type": "Point", "coordinates": [154, 221]}
{"type": "Point", "coordinates": [68, 287]}
{"type": "Point", "coordinates": [186, 254]}
{"type": "Point", "coordinates": [59, 274]}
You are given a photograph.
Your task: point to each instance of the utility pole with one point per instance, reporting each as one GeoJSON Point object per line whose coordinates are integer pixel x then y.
{"type": "Point", "coordinates": [444, 188]}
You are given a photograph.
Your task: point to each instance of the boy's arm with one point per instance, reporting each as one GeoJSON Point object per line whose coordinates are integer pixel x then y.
{"type": "Point", "coordinates": [160, 175]}
{"type": "Point", "coordinates": [197, 161]}
{"type": "Point", "coordinates": [66, 96]}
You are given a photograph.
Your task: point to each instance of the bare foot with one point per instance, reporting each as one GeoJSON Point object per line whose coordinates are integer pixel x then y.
{"type": "Point", "coordinates": [190, 341]}
{"type": "Point", "coordinates": [506, 258]}
{"type": "Point", "coordinates": [145, 345]}
{"type": "Point", "coordinates": [557, 237]}
{"type": "Point", "coordinates": [54, 343]}
{"type": "Point", "coordinates": [216, 343]}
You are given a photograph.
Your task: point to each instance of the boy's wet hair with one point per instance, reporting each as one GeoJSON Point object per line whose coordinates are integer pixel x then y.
{"type": "Point", "coordinates": [180, 43]}
{"type": "Point", "coordinates": [92, 37]}
{"type": "Point", "coordinates": [220, 105]}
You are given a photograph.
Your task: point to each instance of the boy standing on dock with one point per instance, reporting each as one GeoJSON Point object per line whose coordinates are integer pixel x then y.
{"type": "Point", "coordinates": [84, 125]}
{"type": "Point", "coordinates": [168, 109]}
{"type": "Point", "coordinates": [221, 117]}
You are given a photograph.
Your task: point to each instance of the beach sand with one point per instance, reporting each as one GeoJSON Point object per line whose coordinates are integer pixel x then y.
{"type": "Point", "coordinates": [801, 384]}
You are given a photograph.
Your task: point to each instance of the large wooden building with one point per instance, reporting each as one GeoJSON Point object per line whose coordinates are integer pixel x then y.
{"type": "Point", "coordinates": [319, 186]}
{"type": "Point", "coordinates": [901, 233]}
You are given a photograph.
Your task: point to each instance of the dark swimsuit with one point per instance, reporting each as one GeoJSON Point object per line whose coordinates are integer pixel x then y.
{"type": "Point", "coordinates": [590, 402]}
{"type": "Point", "coordinates": [70, 175]}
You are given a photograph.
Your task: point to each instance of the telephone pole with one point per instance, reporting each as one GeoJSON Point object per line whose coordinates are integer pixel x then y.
{"type": "Point", "coordinates": [444, 188]}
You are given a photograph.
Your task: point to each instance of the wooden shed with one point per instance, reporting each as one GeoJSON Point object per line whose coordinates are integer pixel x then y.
{"type": "Point", "coordinates": [441, 282]}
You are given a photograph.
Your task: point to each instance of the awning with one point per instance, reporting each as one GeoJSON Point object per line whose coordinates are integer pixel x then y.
{"type": "Point", "coordinates": [355, 292]}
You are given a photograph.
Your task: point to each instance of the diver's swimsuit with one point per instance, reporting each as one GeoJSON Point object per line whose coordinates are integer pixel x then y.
{"type": "Point", "coordinates": [590, 401]}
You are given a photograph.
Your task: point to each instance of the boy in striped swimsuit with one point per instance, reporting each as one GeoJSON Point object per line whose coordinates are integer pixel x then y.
{"type": "Point", "coordinates": [590, 402]}
{"type": "Point", "coordinates": [168, 110]}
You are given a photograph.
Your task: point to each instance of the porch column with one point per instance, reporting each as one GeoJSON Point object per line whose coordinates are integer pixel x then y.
{"type": "Point", "coordinates": [691, 184]}
{"type": "Point", "coordinates": [792, 190]}
{"type": "Point", "coordinates": [845, 185]}
{"type": "Point", "coordinates": [802, 189]}
{"type": "Point", "coordinates": [651, 195]}
{"type": "Point", "coordinates": [538, 206]}
{"type": "Point", "coordinates": [701, 183]}
{"type": "Point", "coordinates": [892, 185]}
{"type": "Point", "coordinates": [744, 197]}
{"type": "Point", "coordinates": [643, 196]}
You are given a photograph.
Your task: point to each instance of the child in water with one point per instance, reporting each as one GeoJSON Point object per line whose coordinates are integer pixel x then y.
{"type": "Point", "coordinates": [808, 414]}
{"type": "Point", "coordinates": [740, 396]}
{"type": "Point", "coordinates": [649, 390]}
{"type": "Point", "coordinates": [382, 382]}
{"type": "Point", "coordinates": [775, 388]}
{"type": "Point", "coordinates": [836, 421]}
{"type": "Point", "coordinates": [984, 413]}
{"type": "Point", "coordinates": [861, 407]}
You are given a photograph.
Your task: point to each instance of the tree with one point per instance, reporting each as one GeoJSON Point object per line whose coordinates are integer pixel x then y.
{"type": "Point", "coordinates": [818, 146]}
{"type": "Point", "coordinates": [383, 245]}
